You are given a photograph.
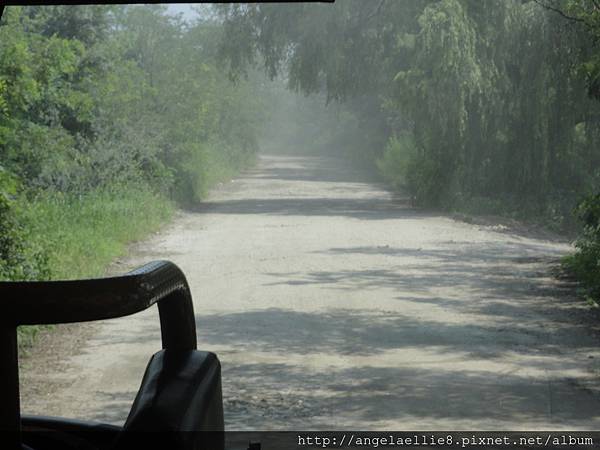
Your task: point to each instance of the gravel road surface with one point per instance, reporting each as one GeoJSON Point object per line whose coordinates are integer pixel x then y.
{"type": "Point", "coordinates": [334, 305]}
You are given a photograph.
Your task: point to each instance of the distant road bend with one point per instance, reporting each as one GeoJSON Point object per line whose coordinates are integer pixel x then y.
{"type": "Point", "coordinates": [333, 306]}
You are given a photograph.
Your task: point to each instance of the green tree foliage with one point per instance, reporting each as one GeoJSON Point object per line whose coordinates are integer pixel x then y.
{"type": "Point", "coordinates": [585, 13]}
{"type": "Point", "coordinates": [492, 93]}
{"type": "Point", "coordinates": [101, 100]}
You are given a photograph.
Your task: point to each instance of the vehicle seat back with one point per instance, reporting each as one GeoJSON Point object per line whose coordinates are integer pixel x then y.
{"type": "Point", "coordinates": [180, 397]}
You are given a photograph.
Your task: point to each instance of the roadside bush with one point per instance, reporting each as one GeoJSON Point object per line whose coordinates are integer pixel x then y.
{"type": "Point", "coordinates": [82, 234]}
{"type": "Point", "coordinates": [428, 181]}
{"type": "Point", "coordinates": [425, 178]}
{"type": "Point", "coordinates": [204, 164]}
{"type": "Point", "coordinates": [585, 262]}
{"type": "Point", "coordinates": [398, 156]}
{"type": "Point", "coordinates": [19, 259]}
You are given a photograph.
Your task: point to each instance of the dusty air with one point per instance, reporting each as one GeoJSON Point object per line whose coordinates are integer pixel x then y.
{"type": "Point", "coordinates": [380, 216]}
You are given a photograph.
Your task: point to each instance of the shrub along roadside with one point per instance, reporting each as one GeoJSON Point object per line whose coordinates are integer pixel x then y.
{"type": "Point", "coordinates": [584, 264]}
{"type": "Point", "coordinates": [82, 234]}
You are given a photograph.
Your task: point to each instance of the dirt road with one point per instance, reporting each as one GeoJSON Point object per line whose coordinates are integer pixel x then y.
{"type": "Point", "coordinates": [333, 306]}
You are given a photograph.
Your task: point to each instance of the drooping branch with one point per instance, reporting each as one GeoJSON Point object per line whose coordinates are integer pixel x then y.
{"type": "Point", "coordinates": [561, 12]}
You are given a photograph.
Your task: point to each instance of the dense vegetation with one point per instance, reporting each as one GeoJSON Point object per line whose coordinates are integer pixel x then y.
{"type": "Point", "coordinates": [488, 107]}
{"type": "Point", "coordinates": [109, 115]}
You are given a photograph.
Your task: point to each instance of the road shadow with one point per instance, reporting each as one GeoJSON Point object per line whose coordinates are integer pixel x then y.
{"type": "Point", "coordinates": [351, 192]}
{"type": "Point", "coordinates": [356, 208]}
{"type": "Point", "coordinates": [310, 168]}
{"type": "Point", "coordinates": [116, 407]}
{"type": "Point", "coordinates": [401, 395]}
{"type": "Point", "coordinates": [296, 393]}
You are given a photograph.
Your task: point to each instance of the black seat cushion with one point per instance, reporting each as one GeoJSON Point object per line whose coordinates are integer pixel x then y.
{"type": "Point", "coordinates": [180, 398]}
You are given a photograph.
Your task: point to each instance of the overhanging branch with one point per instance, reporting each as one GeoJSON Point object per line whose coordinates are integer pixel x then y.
{"type": "Point", "coordinates": [561, 12]}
